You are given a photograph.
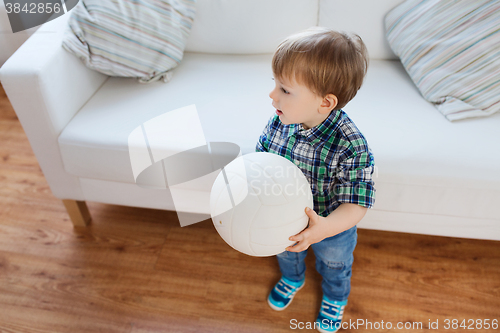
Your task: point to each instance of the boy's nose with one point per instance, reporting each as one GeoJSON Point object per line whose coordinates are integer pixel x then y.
{"type": "Point", "coordinates": [272, 94]}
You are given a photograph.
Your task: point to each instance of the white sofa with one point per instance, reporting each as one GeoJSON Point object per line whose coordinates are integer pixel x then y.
{"type": "Point", "coordinates": [433, 176]}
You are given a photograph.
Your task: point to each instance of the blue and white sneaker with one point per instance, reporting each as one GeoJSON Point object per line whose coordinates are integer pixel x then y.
{"type": "Point", "coordinates": [330, 315]}
{"type": "Point", "coordinates": [283, 292]}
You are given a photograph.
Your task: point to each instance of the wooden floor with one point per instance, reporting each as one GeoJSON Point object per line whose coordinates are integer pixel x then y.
{"type": "Point", "coordinates": [136, 270]}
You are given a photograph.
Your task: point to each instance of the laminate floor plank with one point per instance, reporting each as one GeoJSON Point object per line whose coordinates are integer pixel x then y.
{"type": "Point", "coordinates": [135, 270]}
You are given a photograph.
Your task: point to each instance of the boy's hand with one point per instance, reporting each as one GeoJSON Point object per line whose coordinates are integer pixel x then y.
{"type": "Point", "coordinates": [314, 233]}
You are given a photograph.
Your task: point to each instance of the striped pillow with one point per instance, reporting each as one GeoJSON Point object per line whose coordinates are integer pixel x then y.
{"type": "Point", "coordinates": [451, 50]}
{"type": "Point", "coordinates": [143, 39]}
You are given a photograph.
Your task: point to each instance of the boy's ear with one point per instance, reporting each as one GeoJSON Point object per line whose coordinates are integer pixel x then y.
{"type": "Point", "coordinates": [329, 102]}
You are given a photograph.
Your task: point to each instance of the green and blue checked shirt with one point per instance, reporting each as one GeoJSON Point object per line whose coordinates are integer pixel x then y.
{"type": "Point", "coordinates": [334, 156]}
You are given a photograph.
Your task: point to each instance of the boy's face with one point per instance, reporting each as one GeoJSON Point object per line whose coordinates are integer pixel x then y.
{"type": "Point", "coordinates": [295, 103]}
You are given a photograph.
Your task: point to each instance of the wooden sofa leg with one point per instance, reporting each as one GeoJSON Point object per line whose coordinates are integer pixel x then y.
{"type": "Point", "coordinates": [78, 212]}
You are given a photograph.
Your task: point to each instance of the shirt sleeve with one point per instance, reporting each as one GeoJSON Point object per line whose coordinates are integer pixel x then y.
{"type": "Point", "coordinates": [354, 179]}
{"type": "Point", "coordinates": [263, 142]}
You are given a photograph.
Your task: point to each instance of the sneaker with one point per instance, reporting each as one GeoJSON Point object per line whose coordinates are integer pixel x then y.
{"type": "Point", "coordinates": [330, 315]}
{"type": "Point", "coordinates": [283, 292]}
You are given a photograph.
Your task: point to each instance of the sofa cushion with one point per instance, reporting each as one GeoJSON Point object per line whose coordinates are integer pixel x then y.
{"type": "Point", "coordinates": [143, 39]}
{"type": "Point", "coordinates": [451, 51]}
{"type": "Point", "coordinates": [94, 143]}
{"type": "Point", "coordinates": [425, 164]}
{"type": "Point", "coordinates": [248, 27]}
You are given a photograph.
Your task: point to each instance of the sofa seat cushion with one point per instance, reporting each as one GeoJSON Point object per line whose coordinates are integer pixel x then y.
{"type": "Point", "coordinates": [94, 143]}
{"type": "Point", "coordinates": [425, 164]}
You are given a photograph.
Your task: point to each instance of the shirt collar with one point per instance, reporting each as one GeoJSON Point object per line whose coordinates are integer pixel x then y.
{"type": "Point", "coordinates": [314, 134]}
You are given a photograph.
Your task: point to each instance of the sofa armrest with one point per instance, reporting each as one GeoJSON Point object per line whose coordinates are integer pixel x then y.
{"type": "Point", "coordinates": [46, 86]}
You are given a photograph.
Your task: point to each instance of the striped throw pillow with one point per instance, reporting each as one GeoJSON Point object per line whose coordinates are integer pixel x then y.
{"type": "Point", "coordinates": [130, 38]}
{"type": "Point", "coordinates": [451, 50]}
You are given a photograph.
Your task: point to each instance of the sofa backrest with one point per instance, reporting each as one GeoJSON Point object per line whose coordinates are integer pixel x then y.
{"type": "Point", "coordinates": [248, 26]}
{"type": "Point", "coordinates": [258, 26]}
{"type": "Point", "coordinates": [364, 17]}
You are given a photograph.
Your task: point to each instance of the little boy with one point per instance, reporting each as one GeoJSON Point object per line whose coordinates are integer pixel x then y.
{"type": "Point", "coordinates": [316, 73]}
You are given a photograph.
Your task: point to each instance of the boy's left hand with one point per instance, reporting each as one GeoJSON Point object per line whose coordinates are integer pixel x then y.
{"type": "Point", "coordinates": [314, 232]}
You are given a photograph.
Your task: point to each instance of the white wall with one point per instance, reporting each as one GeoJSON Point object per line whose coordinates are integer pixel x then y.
{"type": "Point", "coordinates": [10, 42]}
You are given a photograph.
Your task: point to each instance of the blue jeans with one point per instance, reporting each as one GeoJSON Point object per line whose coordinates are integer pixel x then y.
{"type": "Point", "coordinates": [334, 258]}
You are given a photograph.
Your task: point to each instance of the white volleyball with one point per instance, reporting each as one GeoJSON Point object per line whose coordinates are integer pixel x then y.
{"type": "Point", "coordinates": [257, 202]}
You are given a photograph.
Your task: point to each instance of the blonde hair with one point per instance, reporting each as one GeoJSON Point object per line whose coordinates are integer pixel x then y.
{"type": "Point", "coordinates": [324, 60]}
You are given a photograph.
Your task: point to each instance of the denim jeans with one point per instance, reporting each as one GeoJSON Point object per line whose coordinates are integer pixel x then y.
{"type": "Point", "coordinates": [334, 258]}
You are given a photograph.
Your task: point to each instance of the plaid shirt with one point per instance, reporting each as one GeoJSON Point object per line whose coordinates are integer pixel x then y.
{"type": "Point", "coordinates": [334, 156]}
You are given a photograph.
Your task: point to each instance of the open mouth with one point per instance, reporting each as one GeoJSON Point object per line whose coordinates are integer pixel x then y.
{"type": "Point", "coordinates": [278, 112]}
